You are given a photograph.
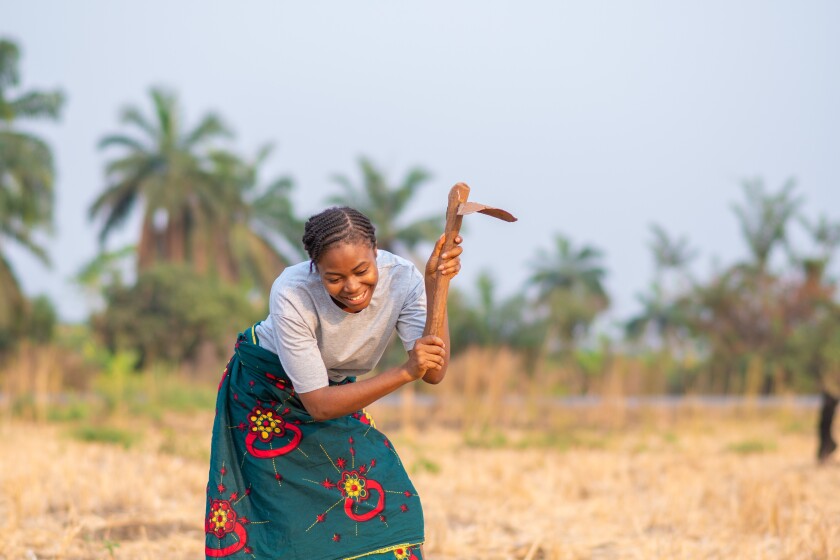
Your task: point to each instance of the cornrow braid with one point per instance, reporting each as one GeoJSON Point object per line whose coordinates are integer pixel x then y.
{"type": "Point", "coordinates": [335, 225]}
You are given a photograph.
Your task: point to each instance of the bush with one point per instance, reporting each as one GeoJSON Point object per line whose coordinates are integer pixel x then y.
{"type": "Point", "coordinates": [170, 313]}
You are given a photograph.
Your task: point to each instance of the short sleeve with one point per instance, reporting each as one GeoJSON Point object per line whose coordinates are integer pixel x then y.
{"type": "Point", "coordinates": [412, 318]}
{"type": "Point", "coordinates": [298, 349]}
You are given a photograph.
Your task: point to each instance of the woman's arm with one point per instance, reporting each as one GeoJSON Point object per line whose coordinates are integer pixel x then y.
{"type": "Point", "coordinates": [335, 401]}
{"type": "Point", "coordinates": [449, 264]}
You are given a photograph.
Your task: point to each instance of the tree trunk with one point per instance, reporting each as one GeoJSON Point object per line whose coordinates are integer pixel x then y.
{"type": "Point", "coordinates": [146, 249]}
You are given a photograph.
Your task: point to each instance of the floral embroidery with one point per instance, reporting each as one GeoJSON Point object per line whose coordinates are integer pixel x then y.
{"type": "Point", "coordinates": [221, 520]}
{"type": "Point", "coordinates": [353, 486]}
{"type": "Point", "coordinates": [262, 445]}
{"type": "Point", "coordinates": [266, 424]}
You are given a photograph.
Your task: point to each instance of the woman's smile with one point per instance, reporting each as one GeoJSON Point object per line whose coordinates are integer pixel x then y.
{"type": "Point", "coordinates": [349, 274]}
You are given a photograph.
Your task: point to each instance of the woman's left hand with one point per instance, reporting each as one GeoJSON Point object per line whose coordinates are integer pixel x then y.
{"type": "Point", "coordinates": [448, 263]}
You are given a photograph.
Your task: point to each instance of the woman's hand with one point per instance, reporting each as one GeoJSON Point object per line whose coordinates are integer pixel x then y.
{"type": "Point", "coordinates": [429, 353]}
{"type": "Point", "coordinates": [449, 263]}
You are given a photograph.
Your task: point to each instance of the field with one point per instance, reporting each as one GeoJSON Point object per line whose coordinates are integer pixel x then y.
{"type": "Point", "coordinates": [119, 470]}
{"type": "Point", "coordinates": [690, 483]}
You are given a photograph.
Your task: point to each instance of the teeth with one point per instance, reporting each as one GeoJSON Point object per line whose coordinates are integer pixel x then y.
{"type": "Point", "coordinates": [359, 298]}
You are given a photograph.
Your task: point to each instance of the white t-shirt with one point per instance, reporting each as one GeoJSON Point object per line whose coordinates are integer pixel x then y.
{"type": "Point", "coordinates": [317, 341]}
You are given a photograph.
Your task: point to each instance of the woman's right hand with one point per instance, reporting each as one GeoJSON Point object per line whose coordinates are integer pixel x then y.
{"type": "Point", "coordinates": [428, 353]}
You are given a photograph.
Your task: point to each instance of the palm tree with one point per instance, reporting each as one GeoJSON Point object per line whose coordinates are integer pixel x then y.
{"type": "Point", "coordinates": [260, 218]}
{"type": "Point", "coordinates": [663, 313]}
{"type": "Point", "coordinates": [479, 318]}
{"type": "Point", "coordinates": [825, 236]}
{"type": "Point", "coordinates": [26, 175]}
{"type": "Point", "coordinates": [669, 253]}
{"type": "Point", "coordinates": [764, 218]}
{"type": "Point", "coordinates": [384, 205]}
{"type": "Point", "coordinates": [167, 170]}
{"type": "Point", "coordinates": [570, 290]}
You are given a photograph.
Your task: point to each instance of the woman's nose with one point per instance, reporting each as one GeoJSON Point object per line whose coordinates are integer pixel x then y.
{"type": "Point", "coordinates": [351, 285]}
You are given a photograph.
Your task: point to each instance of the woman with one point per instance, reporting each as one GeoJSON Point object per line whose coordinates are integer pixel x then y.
{"type": "Point", "coordinates": [297, 468]}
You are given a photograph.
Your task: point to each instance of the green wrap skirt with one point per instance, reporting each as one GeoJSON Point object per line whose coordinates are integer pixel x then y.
{"type": "Point", "coordinates": [285, 486]}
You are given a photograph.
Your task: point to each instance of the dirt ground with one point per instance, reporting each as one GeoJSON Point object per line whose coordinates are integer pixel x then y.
{"type": "Point", "coordinates": [707, 487]}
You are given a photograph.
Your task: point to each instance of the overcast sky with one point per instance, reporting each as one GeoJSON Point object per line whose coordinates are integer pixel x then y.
{"type": "Point", "coordinates": [592, 119]}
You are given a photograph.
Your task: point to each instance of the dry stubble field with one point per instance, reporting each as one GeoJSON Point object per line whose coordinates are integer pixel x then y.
{"type": "Point", "coordinates": [598, 484]}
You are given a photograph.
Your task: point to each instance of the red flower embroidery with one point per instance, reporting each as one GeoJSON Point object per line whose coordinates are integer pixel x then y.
{"type": "Point", "coordinates": [352, 485]}
{"type": "Point", "coordinates": [221, 520]}
{"type": "Point", "coordinates": [266, 424]}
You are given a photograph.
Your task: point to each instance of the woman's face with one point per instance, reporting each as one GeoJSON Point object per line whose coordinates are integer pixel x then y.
{"type": "Point", "coordinates": [349, 273]}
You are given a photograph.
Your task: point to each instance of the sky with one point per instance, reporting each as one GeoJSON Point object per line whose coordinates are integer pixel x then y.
{"type": "Point", "coordinates": [588, 119]}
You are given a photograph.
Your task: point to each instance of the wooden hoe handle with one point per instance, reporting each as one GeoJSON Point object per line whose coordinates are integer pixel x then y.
{"type": "Point", "coordinates": [436, 303]}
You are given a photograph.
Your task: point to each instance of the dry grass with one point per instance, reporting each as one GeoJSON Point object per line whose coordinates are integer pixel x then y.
{"type": "Point", "coordinates": [688, 485]}
{"type": "Point", "coordinates": [123, 475]}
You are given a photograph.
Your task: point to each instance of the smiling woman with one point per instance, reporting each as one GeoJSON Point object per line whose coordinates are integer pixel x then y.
{"type": "Point", "coordinates": [298, 470]}
{"type": "Point", "coordinates": [350, 274]}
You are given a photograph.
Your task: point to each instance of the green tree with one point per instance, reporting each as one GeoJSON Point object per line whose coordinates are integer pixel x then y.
{"type": "Point", "coordinates": [662, 321]}
{"type": "Point", "coordinates": [570, 293]}
{"type": "Point", "coordinates": [484, 320]}
{"type": "Point", "coordinates": [825, 239]}
{"type": "Point", "coordinates": [170, 313]}
{"type": "Point", "coordinates": [26, 177]}
{"type": "Point", "coordinates": [385, 206]}
{"type": "Point", "coordinates": [764, 219]}
{"type": "Point", "coordinates": [166, 169]}
{"type": "Point", "coordinates": [747, 314]}
{"type": "Point", "coordinates": [259, 219]}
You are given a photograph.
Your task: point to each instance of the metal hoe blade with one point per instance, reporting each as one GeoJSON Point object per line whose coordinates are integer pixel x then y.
{"type": "Point", "coordinates": [471, 207]}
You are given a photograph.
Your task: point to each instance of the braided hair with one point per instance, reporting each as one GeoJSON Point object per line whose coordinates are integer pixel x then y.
{"type": "Point", "coordinates": [335, 225]}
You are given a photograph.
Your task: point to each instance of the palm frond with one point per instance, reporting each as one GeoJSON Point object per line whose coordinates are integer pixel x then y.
{"type": "Point", "coordinates": [428, 229]}
{"type": "Point", "coordinates": [123, 141]}
{"type": "Point", "coordinates": [405, 192]}
{"type": "Point", "coordinates": [210, 128]}
{"type": "Point", "coordinates": [35, 104]}
{"type": "Point", "coordinates": [133, 116]}
{"type": "Point", "coordinates": [9, 64]}
{"type": "Point", "coordinates": [166, 109]}
{"type": "Point", "coordinates": [23, 237]}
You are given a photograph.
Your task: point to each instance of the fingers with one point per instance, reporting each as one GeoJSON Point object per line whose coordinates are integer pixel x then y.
{"type": "Point", "coordinates": [431, 339]}
{"type": "Point", "coordinates": [450, 261]}
{"type": "Point", "coordinates": [439, 245]}
{"type": "Point", "coordinates": [430, 352]}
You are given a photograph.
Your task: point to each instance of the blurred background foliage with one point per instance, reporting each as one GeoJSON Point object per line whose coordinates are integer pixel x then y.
{"type": "Point", "coordinates": [215, 234]}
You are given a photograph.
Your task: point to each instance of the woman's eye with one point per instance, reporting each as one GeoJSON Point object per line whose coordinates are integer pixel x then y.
{"type": "Point", "coordinates": [362, 272]}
